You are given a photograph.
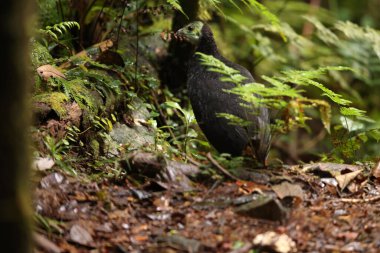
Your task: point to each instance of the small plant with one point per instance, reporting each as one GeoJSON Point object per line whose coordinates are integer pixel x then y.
{"type": "Point", "coordinates": [187, 118]}
{"type": "Point", "coordinates": [58, 150]}
{"type": "Point", "coordinates": [55, 31]}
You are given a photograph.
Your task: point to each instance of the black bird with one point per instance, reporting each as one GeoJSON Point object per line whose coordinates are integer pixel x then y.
{"type": "Point", "coordinates": [207, 97]}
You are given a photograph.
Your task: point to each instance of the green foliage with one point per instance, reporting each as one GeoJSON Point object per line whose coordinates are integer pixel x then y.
{"type": "Point", "coordinates": [175, 4]}
{"type": "Point", "coordinates": [39, 54]}
{"type": "Point", "coordinates": [288, 46]}
{"type": "Point", "coordinates": [283, 94]}
{"type": "Point", "coordinates": [187, 117]}
{"type": "Point", "coordinates": [215, 65]}
{"type": "Point", "coordinates": [59, 29]}
{"type": "Point", "coordinates": [54, 99]}
{"type": "Point", "coordinates": [58, 150]}
{"type": "Point", "coordinates": [273, 19]}
{"type": "Point", "coordinates": [76, 90]}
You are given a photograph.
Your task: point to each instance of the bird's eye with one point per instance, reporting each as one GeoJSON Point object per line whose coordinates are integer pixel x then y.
{"type": "Point", "coordinates": [191, 28]}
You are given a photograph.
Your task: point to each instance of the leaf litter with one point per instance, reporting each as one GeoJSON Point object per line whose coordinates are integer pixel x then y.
{"type": "Point", "coordinates": [295, 211]}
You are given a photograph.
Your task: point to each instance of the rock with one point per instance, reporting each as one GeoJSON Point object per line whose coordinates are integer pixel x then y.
{"type": "Point", "coordinates": [80, 235]}
{"type": "Point", "coordinates": [132, 137]}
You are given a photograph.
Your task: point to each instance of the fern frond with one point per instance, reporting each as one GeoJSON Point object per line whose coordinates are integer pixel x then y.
{"type": "Point", "coordinates": [175, 4]}
{"type": "Point", "coordinates": [303, 78]}
{"type": "Point", "coordinates": [323, 33]}
{"type": "Point", "coordinates": [76, 90]}
{"type": "Point", "coordinates": [351, 111]}
{"type": "Point", "coordinates": [272, 18]}
{"type": "Point", "coordinates": [215, 65]}
{"type": "Point", "coordinates": [279, 95]}
{"type": "Point", "coordinates": [59, 29]}
{"type": "Point", "coordinates": [365, 35]}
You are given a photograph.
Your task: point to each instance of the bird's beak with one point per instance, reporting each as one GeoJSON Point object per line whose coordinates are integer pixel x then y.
{"type": "Point", "coordinates": [179, 32]}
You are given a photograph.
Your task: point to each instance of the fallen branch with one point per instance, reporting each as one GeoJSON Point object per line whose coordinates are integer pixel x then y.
{"type": "Point", "coordinates": [220, 167]}
{"type": "Point", "coordinates": [345, 200]}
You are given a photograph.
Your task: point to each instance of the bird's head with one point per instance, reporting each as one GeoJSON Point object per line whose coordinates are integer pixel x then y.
{"type": "Point", "coordinates": [192, 32]}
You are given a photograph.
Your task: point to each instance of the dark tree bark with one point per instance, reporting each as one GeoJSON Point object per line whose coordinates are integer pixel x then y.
{"type": "Point", "coordinates": [174, 70]}
{"type": "Point", "coordinates": [14, 120]}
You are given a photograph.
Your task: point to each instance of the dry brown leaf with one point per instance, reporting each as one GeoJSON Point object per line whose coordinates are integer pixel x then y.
{"type": "Point", "coordinates": [74, 113]}
{"type": "Point", "coordinates": [345, 179]}
{"type": "Point", "coordinates": [376, 170]}
{"type": "Point", "coordinates": [331, 168]}
{"type": "Point", "coordinates": [286, 189]}
{"type": "Point", "coordinates": [48, 71]}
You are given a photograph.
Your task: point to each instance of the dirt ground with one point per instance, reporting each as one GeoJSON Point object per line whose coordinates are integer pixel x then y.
{"type": "Point", "coordinates": [309, 208]}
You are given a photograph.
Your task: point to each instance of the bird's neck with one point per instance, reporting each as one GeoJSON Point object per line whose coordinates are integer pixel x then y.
{"type": "Point", "coordinates": [208, 46]}
{"type": "Point", "coordinates": [207, 43]}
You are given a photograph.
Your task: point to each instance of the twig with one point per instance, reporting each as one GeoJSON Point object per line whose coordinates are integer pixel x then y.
{"type": "Point", "coordinates": [137, 43]}
{"type": "Point", "coordinates": [162, 115]}
{"type": "Point", "coordinates": [119, 28]}
{"type": "Point", "coordinates": [345, 200]}
{"type": "Point", "coordinates": [45, 243]}
{"type": "Point", "coordinates": [191, 160]}
{"type": "Point", "coordinates": [220, 167]}
{"type": "Point", "coordinates": [97, 19]}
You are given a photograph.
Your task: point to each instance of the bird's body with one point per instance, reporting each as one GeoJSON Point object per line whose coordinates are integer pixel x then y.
{"type": "Point", "coordinates": [208, 98]}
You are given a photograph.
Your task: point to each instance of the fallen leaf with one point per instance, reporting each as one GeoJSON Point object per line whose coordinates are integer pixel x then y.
{"type": "Point", "coordinates": [140, 228]}
{"type": "Point", "coordinates": [48, 71]}
{"type": "Point", "coordinates": [286, 189]}
{"type": "Point", "coordinates": [139, 239]}
{"type": "Point", "coordinates": [333, 169]}
{"type": "Point", "coordinates": [345, 179]}
{"type": "Point", "coordinates": [376, 170]}
{"type": "Point", "coordinates": [280, 243]}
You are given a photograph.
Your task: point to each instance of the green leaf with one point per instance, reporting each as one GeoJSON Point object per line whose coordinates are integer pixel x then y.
{"type": "Point", "coordinates": [352, 111]}
{"type": "Point", "coordinates": [175, 4]}
{"type": "Point", "coordinates": [273, 19]}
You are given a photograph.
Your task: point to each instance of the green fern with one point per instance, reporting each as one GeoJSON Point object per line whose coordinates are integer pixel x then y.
{"type": "Point", "coordinates": [272, 18]}
{"type": "Point", "coordinates": [280, 95]}
{"type": "Point", "coordinates": [365, 35]}
{"type": "Point", "coordinates": [59, 29]}
{"type": "Point", "coordinates": [76, 90]}
{"type": "Point", "coordinates": [175, 4]}
{"type": "Point", "coordinates": [215, 65]}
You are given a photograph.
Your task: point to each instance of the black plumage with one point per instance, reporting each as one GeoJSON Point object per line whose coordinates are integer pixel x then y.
{"type": "Point", "coordinates": [207, 96]}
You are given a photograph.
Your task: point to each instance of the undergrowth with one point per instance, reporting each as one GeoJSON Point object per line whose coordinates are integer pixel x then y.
{"type": "Point", "coordinates": [323, 75]}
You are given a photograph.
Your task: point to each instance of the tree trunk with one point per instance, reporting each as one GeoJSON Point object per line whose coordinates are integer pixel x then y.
{"type": "Point", "coordinates": [14, 122]}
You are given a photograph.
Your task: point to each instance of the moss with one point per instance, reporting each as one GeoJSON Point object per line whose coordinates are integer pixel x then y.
{"type": "Point", "coordinates": [40, 55]}
{"type": "Point", "coordinates": [54, 99]}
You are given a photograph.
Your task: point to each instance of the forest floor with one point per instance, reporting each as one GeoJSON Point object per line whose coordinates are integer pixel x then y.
{"type": "Point", "coordinates": [320, 207]}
